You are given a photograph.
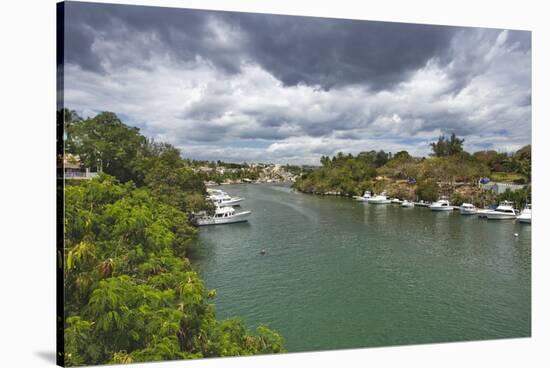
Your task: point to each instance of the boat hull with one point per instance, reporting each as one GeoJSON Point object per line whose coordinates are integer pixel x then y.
{"type": "Point", "coordinates": [525, 220]}
{"type": "Point", "coordinates": [379, 201]}
{"type": "Point", "coordinates": [231, 202]}
{"type": "Point", "coordinates": [239, 217]}
{"type": "Point", "coordinates": [482, 213]}
{"type": "Point", "coordinates": [441, 208]}
{"type": "Point", "coordinates": [500, 216]}
{"type": "Point", "coordinates": [465, 211]}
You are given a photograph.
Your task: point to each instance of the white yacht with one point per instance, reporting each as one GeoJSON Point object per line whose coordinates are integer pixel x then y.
{"type": "Point", "coordinates": [525, 215]}
{"type": "Point", "coordinates": [407, 204]}
{"type": "Point", "coordinates": [223, 215]}
{"type": "Point", "coordinates": [504, 211]}
{"type": "Point", "coordinates": [214, 191]}
{"type": "Point", "coordinates": [364, 197]}
{"type": "Point", "coordinates": [221, 198]}
{"type": "Point", "coordinates": [468, 209]}
{"type": "Point", "coordinates": [441, 205]}
{"type": "Point", "coordinates": [225, 200]}
{"type": "Point", "coordinates": [379, 199]}
{"type": "Point", "coordinates": [396, 201]}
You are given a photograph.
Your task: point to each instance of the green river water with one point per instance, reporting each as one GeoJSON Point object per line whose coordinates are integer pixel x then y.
{"type": "Point", "coordinates": [344, 274]}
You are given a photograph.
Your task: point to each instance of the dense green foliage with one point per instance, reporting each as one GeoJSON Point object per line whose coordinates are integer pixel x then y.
{"type": "Point", "coordinates": [461, 167]}
{"type": "Point", "coordinates": [131, 295]}
{"type": "Point", "coordinates": [104, 142]}
{"type": "Point", "coordinates": [427, 190]}
{"type": "Point", "coordinates": [519, 197]}
{"type": "Point", "coordinates": [401, 166]}
{"type": "Point", "coordinates": [342, 174]}
{"type": "Point", "coordinates": [518, 163]}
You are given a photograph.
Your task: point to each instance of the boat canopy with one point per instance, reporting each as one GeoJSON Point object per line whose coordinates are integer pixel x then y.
{"type": "Point", "coordinates": [225, 210]}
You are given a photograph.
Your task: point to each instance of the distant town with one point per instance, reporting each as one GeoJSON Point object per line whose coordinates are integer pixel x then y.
{"type": "Point", "coordinates": [216, 173]}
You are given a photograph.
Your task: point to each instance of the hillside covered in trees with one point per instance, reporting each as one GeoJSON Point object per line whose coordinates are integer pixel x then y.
{"type": "Point", "coordinates": [131, 294]}
{"type": "Point", "coordinates": [448, 171]}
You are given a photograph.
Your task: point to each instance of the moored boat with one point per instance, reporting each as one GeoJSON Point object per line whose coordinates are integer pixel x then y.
{"type": "Point", "coordinates": [223, 215]}
{"type": "Point", "coordinates": [221, 198]}
{"type": "Point", "coordinates": [396, 201]}
{"type": "Point", "coordinates": [525, 215]}
{"type": "Point", "coordinates": [407, 204]}
{"type": "Point", "coordinates": [379, 199]}
{"type": "Point", "coordinates": [364, 197]}
{"type": "Point", "coordinates": [468, 209]}
{"type": "Point", "coordinates": [441, 205]}
{"type": "Point", "coordinates": [504, 211]}
{"type": "Point", "coordinates": [222, 201]}
{"type": "Point", "coordinates": [214, 191]}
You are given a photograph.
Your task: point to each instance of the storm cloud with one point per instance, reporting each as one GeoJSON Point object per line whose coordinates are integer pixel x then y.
{"type": "Point", "coordinates": [240, 86]}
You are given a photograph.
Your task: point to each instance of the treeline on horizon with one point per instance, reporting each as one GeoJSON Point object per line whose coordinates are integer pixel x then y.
{"type": "Point", "coordinates": [131, 294]}
{"type": "Point", "coordinates": [447, 168]}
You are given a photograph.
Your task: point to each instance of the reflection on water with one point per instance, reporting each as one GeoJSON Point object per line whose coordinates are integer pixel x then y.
{"type": "Point", "coordinates": [341, 274]}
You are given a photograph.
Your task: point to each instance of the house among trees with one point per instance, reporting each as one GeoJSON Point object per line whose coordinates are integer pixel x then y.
{"type": "Point", "coordinates": [72, 168]}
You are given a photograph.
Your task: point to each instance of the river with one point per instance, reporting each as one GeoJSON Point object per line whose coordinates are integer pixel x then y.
{"type": "Point", "coordinates": [343, 274]}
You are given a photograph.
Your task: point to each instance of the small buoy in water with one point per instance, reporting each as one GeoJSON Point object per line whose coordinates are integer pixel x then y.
{"type": "Point", "coordinates": [516, 235]}
{"type": "Point", "coordinates": [262, 251]}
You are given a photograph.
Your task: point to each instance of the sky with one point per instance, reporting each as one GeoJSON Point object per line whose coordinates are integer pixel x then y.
{"type": "Point", "coordinates": [286, 89]}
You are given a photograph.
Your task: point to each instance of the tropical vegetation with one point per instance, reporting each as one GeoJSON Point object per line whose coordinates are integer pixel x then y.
{"type": "Point", "coordinates": [131, 293]}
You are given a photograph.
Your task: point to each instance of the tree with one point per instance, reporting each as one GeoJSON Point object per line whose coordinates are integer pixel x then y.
{"type": "Point", "coordinates": [345, 174]}
{"type": "Point", "coordinates": [447, 147]}
{"type": "Point", "coordinates": [401, 166]}
{"type": "Point", "coordinates": [522, 160]}
{"type": "Point", "coordinates": [402, 155]}
{"type": "Point", "coordinates": [427, 190]}
{"type": "Point", "coordinates": [375, 158]}
{"type": "Point", "coordinates": [325, 161]}
{"type": "Point", "coordinates": [105, 143]}
{"type": "Point", "coordinates": [519, 197]}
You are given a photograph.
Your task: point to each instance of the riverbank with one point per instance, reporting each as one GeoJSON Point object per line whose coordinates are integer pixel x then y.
{"type": "Point", "coordinates": [450, 172]}
{"type": "Point", "coordinates": [457, 193]}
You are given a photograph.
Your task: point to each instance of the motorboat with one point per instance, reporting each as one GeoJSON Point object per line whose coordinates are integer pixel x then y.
{"type": "Point", "coordinates": [407, 204]}
{"type": "Point", "coordinates": [396, 201]}
{"type": "Point", "coordinates": [364, 197]}
{"type": "Point", "coordinates": [468, 209]}
{"type": "Point", "coordinates": [225, 200]}
{"type": "Point", "coordinates": [214, 191]}
{"type": "Point", "coordinates": [504, 211]}
{"type": "Point", "coordinates": [525, 215]}
{"type": "Point", "coordinates": [223, 215]}
{"type": "Point", "coordinates": [221, 198]}
{"type": "Point", "coordinates": [379, 199]}
{"type": "Point", "coordinates": [441, 205]}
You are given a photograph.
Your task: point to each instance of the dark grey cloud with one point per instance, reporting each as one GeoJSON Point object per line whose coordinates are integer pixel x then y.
{"type": "Point", "coordinates": [314, 51]}
{"type": "Point", "coordinates": [335, 52]}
